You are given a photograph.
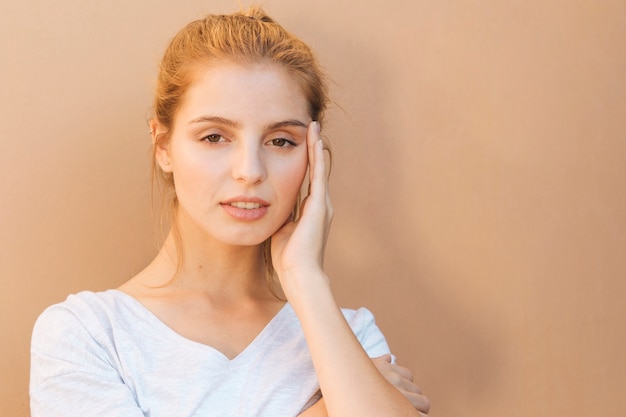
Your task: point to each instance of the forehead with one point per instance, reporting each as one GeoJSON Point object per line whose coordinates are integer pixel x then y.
{"type": "Point", "coordinates": [248, 93]}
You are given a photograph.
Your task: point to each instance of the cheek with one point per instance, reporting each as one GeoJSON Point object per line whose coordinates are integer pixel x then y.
{"type": "Point", "coordinates": [291, 178]}
{"type": "Point", "coordinates": [197, 174]}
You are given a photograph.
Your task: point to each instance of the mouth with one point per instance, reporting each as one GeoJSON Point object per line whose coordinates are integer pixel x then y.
{"type": "Point", "coordinates": [246, 208]}
{"type": "Point", "coordinates": [247, 205]}
{"type": "Point", "coordinates": [245, 202]}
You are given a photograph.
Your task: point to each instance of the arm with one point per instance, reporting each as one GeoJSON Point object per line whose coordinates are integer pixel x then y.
{"type": "Point", "coordinates": [349, 380]}
{"type": "Point", "coordinates": [400, 377]}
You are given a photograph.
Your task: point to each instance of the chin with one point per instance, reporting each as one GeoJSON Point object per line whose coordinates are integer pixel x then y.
{"type": "Point", "coordinates": [251, 234]}
{"type": "Point", "coordinates": [245, 238]}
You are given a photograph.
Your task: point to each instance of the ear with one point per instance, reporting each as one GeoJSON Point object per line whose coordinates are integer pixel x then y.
{"type": "Point", "coordinates": [161, 145]}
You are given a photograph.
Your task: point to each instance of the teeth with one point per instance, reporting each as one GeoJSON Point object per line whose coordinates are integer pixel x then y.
{"type": "Point", "coordinates": [245, 205]}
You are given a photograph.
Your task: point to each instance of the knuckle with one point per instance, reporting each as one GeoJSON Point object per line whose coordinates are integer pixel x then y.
{"type": "Point", "coordinates": [413, 399]}
{"type": "Point", "coordinates": [414, 388]}
{"type": "Point", "coordinates": [395, 379]}
{"type": "Point", "coordinates": [407, 373]}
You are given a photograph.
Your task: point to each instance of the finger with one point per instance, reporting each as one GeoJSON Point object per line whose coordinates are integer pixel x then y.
{"type": "Point", "coordinates": [402, 371]}
{"type": "Point", "coordinates": [312, 136]}
{"type": "Point", "coordinates": [420, 402]}
{"type": "Point", "coordinates": [404, 384]}
{"type": "Point", "coordinates": [318, 169]}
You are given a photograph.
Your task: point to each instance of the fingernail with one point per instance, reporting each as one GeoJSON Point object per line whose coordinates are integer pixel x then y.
{"type": "Point", "coordinates": [316, 126]}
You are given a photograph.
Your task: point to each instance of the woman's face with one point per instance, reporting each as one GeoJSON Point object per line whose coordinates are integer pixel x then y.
{"type": "Point", "coordinates": [237, 151]}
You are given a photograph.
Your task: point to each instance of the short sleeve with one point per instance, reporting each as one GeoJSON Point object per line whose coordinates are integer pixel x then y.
{"type": "Point", "coordinates": [367, 332]}
{"type": "Point", "coordinates": [72, 374]}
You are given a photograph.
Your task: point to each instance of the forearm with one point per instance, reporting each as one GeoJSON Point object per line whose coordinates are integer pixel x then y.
{"type": "Point", "coordinates": [350, 383]}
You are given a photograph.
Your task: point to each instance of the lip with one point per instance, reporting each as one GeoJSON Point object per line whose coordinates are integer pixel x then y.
{"type": "Point", "coordinates": [243, 213]}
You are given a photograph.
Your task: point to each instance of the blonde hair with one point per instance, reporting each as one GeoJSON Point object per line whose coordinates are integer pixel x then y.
{"type": "Point", "coordinates": [247, 37]}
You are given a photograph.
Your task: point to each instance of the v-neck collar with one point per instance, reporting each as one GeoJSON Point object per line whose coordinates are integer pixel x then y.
{"type": "Point", "coordinates": [152, 320]}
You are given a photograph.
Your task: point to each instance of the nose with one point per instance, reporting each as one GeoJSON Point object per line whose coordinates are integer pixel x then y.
{"type": "Point", "coordinates": [248, 165]}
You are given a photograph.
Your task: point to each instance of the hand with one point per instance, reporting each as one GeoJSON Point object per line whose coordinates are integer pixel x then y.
{"type": "Point", "coordinates": [402, 378]}
{"type": "Point", "coordinates": [300, 245]}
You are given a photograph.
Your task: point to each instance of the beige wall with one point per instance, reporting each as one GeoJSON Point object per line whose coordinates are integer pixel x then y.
{"type": "Point", "coordinates": [479, 182]}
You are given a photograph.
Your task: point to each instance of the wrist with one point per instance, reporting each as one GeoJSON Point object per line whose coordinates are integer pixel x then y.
{"type": "Point", "coordinates": [301, 285]}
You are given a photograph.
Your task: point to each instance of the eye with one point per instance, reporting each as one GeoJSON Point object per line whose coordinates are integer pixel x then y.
{"type": "Point", "coordinates": [281, 142]}
{"type": "Point", "coordinates": [213, 138]}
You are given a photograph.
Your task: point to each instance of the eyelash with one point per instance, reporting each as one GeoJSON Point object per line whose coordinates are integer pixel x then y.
{"type": "Point", "coordinates": [285, 142]}
{"type": "Point", "coordinates": [217, 138]}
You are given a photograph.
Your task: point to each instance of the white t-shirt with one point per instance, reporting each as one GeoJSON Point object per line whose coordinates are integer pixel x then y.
{"type": "Point", "coordinates": [104, 354]}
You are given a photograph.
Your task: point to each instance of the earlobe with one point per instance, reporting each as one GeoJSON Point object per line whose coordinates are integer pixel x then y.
{"type": "Point", "coordinates": [162, 156]}
{"type": "Point", "coordinates": [164, 163]}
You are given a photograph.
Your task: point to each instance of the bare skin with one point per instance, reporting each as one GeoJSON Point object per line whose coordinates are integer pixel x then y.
{"type": "Point", "coordinates": [219, 296]}
{"type": "Point", "coordinates": [351, 383]}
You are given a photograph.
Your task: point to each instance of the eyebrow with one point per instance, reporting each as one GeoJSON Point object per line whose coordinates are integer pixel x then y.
{"type": "Point", "coordinates": [234, 124]}
{"type": "Point", "coordinates": [215, 119]}
{"type": "Point", "coordinates": [287, 123]}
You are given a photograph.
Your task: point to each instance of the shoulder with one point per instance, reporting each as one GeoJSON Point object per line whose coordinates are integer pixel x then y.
{"type": "Point", "coordinates": [74, 336]}
{"type": "Point", "coordinates": [83, 318]}
{"type": "Point", "coordinates": [75, 366]}
{"type": "Point", "coordinates": [83, 308]}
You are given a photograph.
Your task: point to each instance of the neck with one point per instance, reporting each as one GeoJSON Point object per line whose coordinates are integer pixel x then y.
{"type": "Point", "coordinates": [212, 268]}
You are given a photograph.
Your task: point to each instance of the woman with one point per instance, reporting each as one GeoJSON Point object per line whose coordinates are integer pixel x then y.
{"type": "Point", "coordinates": [205, 329]}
